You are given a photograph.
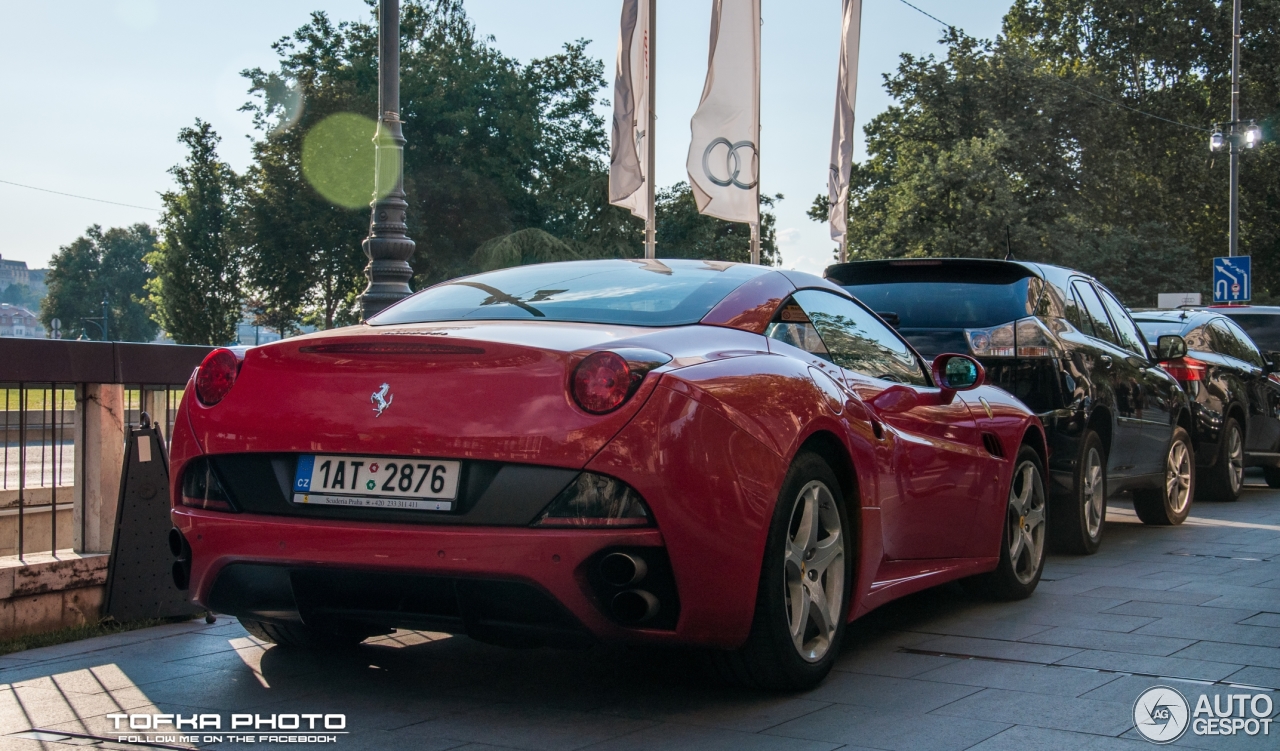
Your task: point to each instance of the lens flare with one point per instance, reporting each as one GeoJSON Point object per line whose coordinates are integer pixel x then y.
{"type": "Point", "coordinates": [338, 159]}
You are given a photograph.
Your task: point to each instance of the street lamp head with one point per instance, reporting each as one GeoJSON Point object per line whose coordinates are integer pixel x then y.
{"type": "Point", "coordinates": [1217, 142]}
{"type": "Point", "coordinates": [1252, 136]}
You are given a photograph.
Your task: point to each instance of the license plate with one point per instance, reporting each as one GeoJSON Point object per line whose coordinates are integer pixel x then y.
{"type": "Point", "coordinates": [376, 482]}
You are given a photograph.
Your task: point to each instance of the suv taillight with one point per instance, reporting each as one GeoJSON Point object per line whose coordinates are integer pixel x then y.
{"type": "Point", "coordinates": [1028, 337]}
{"type": "Point", "coordinates": [1184, 369]}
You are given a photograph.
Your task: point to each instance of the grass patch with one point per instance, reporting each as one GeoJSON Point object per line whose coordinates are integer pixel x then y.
{"type": "Point", "coordinates": [76, 633]}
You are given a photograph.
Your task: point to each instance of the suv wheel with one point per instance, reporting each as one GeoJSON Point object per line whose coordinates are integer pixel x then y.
{"type": "Point", "coordinates": [805, 583]}
{"type": "Point", "coordinates": [1170, 503]}
{"type": "Point", "coordinates": [1077, 520]}
{"type": "Point", "coordinates": [1223, 481]}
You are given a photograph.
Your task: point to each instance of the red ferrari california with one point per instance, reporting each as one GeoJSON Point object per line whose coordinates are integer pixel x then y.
{"type": "Point", "coordinates": [663, 452]}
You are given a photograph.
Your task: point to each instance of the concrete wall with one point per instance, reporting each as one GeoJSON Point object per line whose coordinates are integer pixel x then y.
{"type": "Point", "coordinates": [46, 593]}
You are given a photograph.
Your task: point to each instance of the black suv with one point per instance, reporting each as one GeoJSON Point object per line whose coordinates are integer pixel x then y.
{"type": "Point", "coordinates": [1063, 344]}
{"type": "Point", "coordinates": [1260, 322]}
{"type": "Point", "coordinates": [1235, 396]}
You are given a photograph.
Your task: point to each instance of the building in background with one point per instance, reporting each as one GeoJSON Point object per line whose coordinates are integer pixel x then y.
{"type": "Point", "coordinates": [16, 320]}
{"type": "Point", "coordinates": [13, 272]}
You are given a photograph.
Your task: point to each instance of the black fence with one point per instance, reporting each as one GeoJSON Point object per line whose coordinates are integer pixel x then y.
{"type": "Point", "coordinates": [41, 382]}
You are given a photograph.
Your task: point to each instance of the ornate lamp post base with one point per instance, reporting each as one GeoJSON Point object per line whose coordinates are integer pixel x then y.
{"type": "Point", "coordinates": [388, 246]}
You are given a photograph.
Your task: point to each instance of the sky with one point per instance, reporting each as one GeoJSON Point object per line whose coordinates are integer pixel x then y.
{"type": "Point", "coordinates": [95, 92]}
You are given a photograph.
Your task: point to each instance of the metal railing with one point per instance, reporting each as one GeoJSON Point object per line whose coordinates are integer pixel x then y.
{"type": "Point", "coordinates": [65, 407]}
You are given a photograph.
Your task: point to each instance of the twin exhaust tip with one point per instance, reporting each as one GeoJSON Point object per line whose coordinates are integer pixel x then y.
{"type": "Point", "coordinates": [631, 606]}
{"type": "Point", "coordinates": [182, 564]}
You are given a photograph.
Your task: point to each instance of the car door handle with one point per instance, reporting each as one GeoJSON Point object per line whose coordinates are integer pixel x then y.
{"type": "Point", "coordinates": [1105, 360]}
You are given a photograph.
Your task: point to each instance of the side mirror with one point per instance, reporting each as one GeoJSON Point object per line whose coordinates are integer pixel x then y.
{"type": "Point", "coordinates": [1170, 347]}
{"type": "Point", "coordinates": [958, 373]}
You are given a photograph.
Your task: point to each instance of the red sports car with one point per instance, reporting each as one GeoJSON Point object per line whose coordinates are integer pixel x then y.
{"type": "Point", "coordinates": [667, 452]}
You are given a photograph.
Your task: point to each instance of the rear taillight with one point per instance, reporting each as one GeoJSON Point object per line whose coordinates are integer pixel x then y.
{"type": "Point", "coordinates": [596, 501]}
{"type": "Point", "coordinates": [602, 382]}
{"type": "Point", "coordinates": [202, 489]}
{"type": "Point", "coordinates": [216, 376]}
{"type": "Point", "coordinates": [1184, 369]}
{"type": "Point", "coordinates": [1028, 337]}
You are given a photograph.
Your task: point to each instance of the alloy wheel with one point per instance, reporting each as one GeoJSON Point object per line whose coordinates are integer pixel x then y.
{"type": "Point", "coordinates": [1235, 459]}
{"type": "Point", "coordinates": [1025, 522]}
{"type": "Point", "coordinates": [1177, 478]}
{"type": "Point", "coordinates": [1094, 500]}
{"type": "Point", "coordinates": [813, 573]}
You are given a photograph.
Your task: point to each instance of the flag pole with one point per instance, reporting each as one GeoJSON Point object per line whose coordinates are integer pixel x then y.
{"type": "Point", "coordinates": [755, 227]}
{"type": "Point", "coordinates": [651, 219]}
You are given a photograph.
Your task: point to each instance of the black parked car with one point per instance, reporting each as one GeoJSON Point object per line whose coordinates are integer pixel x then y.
{"type": "Point", "coordinates": [1260, 322]}
{"type": "Point", "coordinates": [1235, 397]}
{"type": "Point", "coordinates": [1064, 345]}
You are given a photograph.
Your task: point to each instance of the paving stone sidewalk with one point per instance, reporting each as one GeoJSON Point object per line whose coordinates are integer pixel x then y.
{"type": "Point", "coordinates": [1195, 607]}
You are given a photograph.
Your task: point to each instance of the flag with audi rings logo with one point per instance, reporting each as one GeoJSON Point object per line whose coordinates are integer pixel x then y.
{"type": "Point", "coordinates": [724, 156]}
{"type": "Point", "coordinates": [842, 136]}
{"type": "Point", "coordinates": [630, 148]}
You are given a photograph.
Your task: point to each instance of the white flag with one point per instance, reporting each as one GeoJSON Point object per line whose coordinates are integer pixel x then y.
{"type": "Point", "coordinates": [630, 151]}
{"type": "Point", "coordinates": [724, 157]}
{"type": "Point", "coordinates": [842, 137]}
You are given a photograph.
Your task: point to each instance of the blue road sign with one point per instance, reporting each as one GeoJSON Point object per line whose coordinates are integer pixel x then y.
{"type": "Point", "coordinates": [1231, 279]}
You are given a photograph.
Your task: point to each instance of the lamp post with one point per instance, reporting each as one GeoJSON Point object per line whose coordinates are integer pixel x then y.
{"type": "Point", "coordinates": [1238, 137]}
{"type": "Point", "coordinates": [388, 246]}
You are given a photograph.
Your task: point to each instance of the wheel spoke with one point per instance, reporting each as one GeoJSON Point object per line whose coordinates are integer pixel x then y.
{"type": "Point", "coordinates": [825, 553]}
{"type": "Point", "coordinates": [1034, 518]}
{"type": "Point", "coordinates": [818, 610]}
{"type": "Point", "coordinates": [1016, 543]}
{"type": "Point", "coordinates": [799, 601]}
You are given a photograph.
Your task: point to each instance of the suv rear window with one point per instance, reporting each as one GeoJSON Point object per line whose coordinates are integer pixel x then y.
{"type": "Point", "coordinates": [969, 304]}
{"type": "Point", "coordinates": [637, 293]}
{"type": "Point", "coordinates": [1264, 329]}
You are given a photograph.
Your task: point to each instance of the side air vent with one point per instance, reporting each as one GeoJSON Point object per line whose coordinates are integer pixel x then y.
{"type": "Point", "coordinates": [992, 442]}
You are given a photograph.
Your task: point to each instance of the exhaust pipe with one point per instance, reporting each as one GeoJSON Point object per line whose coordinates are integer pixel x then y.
{"type": "Point", "coordinates": [635, 606]}
{"type": "Point", "coordinates": [623, 569]}
{"type": "Point", "coordinates": [181, 569]}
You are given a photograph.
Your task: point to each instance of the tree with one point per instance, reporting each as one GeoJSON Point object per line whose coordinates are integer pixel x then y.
{"type": "Point", "coordinates": [494, 147]}
{"type": "Point", "coordinates": [100, 267]}
{"type": "Point", "coordinates": [1047, 136]}
{"type": "Point", "coordinates": [684, 233]}
{"type": "Point", "coordinates": [197, 286]}
{"type": "Point", "coordinates": [21, 295]}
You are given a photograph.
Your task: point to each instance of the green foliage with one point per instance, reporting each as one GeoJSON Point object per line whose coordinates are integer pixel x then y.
{"type": "Point", "coordinates": [102, 266]}
{"type": "Point", "coordinates": [21, 295]}
{"type": "Point", "coordinates": [197, 286]}
{"type": "Point", "coordinates": [1025, 136]}
{"type": "Point", "coordinates": [521, 248]}
{"type": "Point", "coordinates": [684, 233]}
{"type": "Point", "coordinates": [494, 147]}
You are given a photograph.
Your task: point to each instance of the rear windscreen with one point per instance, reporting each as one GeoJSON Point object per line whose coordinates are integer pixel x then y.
{"type": "Point", "coordinates": [950, 305]}
{"type": "Point", "coordinates": [1263, 329]}
{"type": "Point", "coordinates": [639, 293]}
{"type": "Point", "coordinates": [1153, 330]}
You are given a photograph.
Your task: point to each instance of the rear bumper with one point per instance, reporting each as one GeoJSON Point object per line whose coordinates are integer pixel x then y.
{"type": "Point", "coordinates": [452, 579]}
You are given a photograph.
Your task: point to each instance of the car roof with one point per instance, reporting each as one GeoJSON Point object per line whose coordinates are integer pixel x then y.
{"type": "Point", "coordinates": [1227, 310]}
{"type": "Point", "coordinates": [975, 268]}
{"type": "Point", "coordinates": [1191, 317]}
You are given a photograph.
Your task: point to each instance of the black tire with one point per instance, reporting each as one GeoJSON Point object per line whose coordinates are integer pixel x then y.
{"type": "Point", "coordinates": [1171, 502]}
{"type": "Point", "coordinates": [1222, 482]}
{"type": "Point", "coordinates": [300, 636]}
{"type": "Point", "coordinates": [1077, 519]}
{"type": "Point", "coordinates": [771, 659]}
{"type": "Point", "coordinates": [1016, 575]}
{"type": "Point", "coordinates": [1273, 476]}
